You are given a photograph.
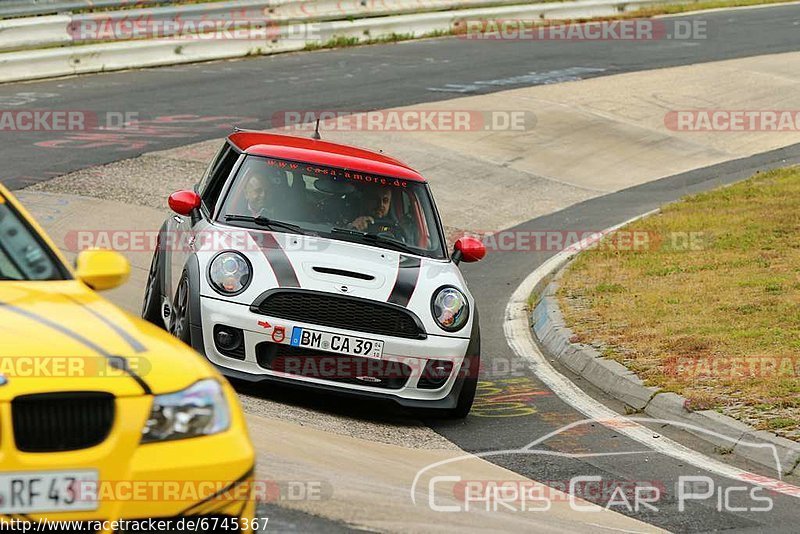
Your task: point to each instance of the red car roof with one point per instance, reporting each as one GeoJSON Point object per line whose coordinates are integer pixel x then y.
{"type": "Point", "coordinates": [320, 152]}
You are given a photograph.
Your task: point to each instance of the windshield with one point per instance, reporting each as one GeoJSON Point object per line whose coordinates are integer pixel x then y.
{"type": "Point", "coordinates": [22, 255]}
{"type": "Point", "coordinates": [335, 203]}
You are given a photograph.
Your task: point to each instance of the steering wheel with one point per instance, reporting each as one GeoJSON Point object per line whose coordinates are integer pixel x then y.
{"type": "Point", "coordinates": [387, 227]}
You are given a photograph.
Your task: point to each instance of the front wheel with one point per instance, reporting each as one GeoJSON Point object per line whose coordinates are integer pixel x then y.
{"type": "Point", "coordinates": [151, 304]}
{"type": "Point", "coordinates": [179, 319]}
{"type": "Point", "coordinates": [470, 368]}
{"type": "Point", "coordinates": [467, 395]}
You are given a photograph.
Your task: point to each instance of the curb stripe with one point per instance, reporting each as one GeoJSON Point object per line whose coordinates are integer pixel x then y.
{"type": "Point", "coordinates": [406, 283]}
{"type": "Point", "coordinates": [277, 258]}
{"type": "Point", "coordinates": [520, 339]}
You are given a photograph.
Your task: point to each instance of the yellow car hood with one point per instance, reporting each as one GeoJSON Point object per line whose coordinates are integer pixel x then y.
{"type": "Point", "coordinates": [61, 336]}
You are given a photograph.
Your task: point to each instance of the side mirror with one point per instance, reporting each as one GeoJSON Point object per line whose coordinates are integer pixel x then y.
{"type": "Point", "coordinates": [102, 269]}
{"type": "Point", "coordinates": [184, 202]}
{"type": "Point", "coordinates": [468, 249]}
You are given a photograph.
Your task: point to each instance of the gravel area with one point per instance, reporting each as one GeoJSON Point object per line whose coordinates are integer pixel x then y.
{"type": "Point", "coordinates": [382, 423]}
{"type": "Point", "coordinates": [145, 181]}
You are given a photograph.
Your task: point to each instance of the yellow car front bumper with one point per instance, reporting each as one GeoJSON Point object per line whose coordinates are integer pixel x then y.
{"type": "Point", "coordinates": [205, 476]}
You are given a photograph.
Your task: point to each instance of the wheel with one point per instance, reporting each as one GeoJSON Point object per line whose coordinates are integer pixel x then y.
{"type": "Point", "coordinates": [468, 389]}
{"type": "Point", "coordinates": [151, 305]}
{"type": "Point", "coordinates": [472, 367]}
{"type": "Point", "coordinates": [179, 317]}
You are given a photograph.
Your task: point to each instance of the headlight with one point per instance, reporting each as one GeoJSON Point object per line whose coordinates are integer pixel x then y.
{"type": "Point", "coordinates": [229, 273]}
{"type": "Point", "coordinates": [199, 410]}
{"type": "Point", "coordinates": [450, 308]}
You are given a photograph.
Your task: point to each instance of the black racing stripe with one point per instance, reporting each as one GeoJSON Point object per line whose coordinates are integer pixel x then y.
{"type": "Point", "coordinates": [277, 258]}
{"type": "Point", "coordinates": [134, 343]}
{"type": "Point", "coordinates": [112, 358]}
{"type": "Point", "coordinates": [198, 506]}
{"type": "Point", "coordinates": [406, 283]}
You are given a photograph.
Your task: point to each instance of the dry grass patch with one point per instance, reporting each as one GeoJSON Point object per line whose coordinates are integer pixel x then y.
{"type": "Point", "coordinates": [710, 307]}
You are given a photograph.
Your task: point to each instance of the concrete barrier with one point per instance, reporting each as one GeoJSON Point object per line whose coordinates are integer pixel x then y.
{"type": "Point", "coordinates": [64, 61]}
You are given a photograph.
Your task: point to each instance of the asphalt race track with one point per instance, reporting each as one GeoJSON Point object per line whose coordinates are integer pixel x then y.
{"type": "Point", "coordinates": [248, 92]}
{"type": "Point", "coordinates": [494, 280]}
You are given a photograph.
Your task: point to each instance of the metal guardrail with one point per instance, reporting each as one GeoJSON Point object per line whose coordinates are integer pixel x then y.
{"type": "Point", "coordinates": [275, 9]}
{"type": "Point", "coordinates": [163, 22]}
{"type": "Point", "coordinates": [30, 8]}
{"type": "Point", "coordinates": [39, 62]}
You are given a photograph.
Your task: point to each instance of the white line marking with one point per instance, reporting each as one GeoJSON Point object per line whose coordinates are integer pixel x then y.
{"type": "Point", "coordinates": [519, 338]}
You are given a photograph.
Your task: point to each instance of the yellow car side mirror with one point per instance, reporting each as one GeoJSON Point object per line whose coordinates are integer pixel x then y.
{"type": "Point", "coordinates": [102, 269]}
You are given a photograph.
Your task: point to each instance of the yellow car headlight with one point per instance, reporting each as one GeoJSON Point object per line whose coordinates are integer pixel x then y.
{"type": "Point", "coordinates": [199, 410]}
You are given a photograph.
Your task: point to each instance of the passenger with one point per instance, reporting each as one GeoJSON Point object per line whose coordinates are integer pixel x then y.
{"type": "Point", "coordinates": [268, 195]}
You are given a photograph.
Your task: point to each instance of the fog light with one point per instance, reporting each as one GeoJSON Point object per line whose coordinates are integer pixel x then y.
{"type": "Point", "coordinates": [435, 374]}
{"type": "Point", "coordinates": [229, 341]}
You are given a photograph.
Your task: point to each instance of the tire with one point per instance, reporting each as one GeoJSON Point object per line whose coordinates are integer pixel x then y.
{"type": "Point", "coordinates": [472, 367]}
{"type": "Point", "coordinates": [180, 317]}
{"type": "Point", "coordinates": [151, 304]}
{"type": "Point", "coordinates": [467, 395]}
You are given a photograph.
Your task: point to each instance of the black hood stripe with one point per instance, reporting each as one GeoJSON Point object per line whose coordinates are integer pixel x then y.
{"type": "Point", "coordinates": [277, 258]}
{"type": "Point", "coordinates": [117, 361]}
{"type": "Point", "coordinates": [406, 283]}
{"type": "Point", "coordinates": [134, 343]}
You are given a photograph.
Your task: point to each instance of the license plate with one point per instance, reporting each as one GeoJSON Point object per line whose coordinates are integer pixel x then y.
{"type": "Point", "coordinates": [338, 343]}
{"type": "Point", "coordinates": [48, 491]}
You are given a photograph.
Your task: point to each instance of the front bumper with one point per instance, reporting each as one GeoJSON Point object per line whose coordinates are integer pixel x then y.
{"type": "Point", "coordinates": [170, 479]}
{"type": "Point", "coordinates": [413, 353]}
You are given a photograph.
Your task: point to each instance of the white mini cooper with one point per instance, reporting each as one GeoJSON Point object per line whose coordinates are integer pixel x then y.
{"type": "Point", "coordinates": [307, 262]}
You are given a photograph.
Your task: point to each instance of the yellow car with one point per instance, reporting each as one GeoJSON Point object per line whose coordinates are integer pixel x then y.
{"type": "Point", "coordinates": [104, 417]}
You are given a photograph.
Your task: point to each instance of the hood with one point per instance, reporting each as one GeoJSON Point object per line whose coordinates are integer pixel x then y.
{"type": "Point", "coordinates": [61, 336]}
{"type": "Point", "coordinates": [282, 260]}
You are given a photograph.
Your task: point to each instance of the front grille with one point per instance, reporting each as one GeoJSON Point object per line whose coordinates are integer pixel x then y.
{"type": "Point", "coordinates": [333, 367]}
{"type": "Point", "coordinates": [340, 311]}
{"type": "Point", "coordinates": [53, 422]}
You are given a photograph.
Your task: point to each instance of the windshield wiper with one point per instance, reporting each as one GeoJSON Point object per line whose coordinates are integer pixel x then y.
{"type": "Point", "coordinates": [264, 221]}
{"type": "Point", "coordinates": [376, 238]}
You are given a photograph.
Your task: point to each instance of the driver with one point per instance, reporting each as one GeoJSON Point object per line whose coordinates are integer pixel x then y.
{"type": "Point", "coordinates": [378, 216]}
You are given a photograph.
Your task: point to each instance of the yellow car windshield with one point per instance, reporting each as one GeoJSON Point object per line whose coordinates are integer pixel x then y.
{"type": "Point", "coordinates": [23, 256]}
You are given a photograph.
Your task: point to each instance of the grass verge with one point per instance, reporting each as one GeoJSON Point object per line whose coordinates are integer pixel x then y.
{"type": "Point", "coordinates": [708, 304]}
